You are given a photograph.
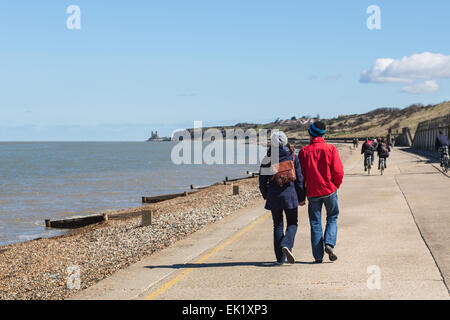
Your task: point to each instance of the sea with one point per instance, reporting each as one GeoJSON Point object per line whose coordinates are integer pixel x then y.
{"type": "Point", "coordinates": [57, 180]}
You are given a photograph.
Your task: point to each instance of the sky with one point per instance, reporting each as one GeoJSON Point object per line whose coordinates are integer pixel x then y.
{"type": "Point", "coordinates": [137, 66]}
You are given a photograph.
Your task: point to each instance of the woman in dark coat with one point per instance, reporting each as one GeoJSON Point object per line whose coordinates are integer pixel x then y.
{"type": "Point", "coordinates": [286, 198]}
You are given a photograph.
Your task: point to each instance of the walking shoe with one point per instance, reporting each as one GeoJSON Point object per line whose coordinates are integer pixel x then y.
{"type": "Point", "coordinates": [330, 252]}
{"type": "Point", "coordinates": [365, 168]}
{"type": "Point", "coordinates": [289, 256]}
{"type": "Point", "coordinates": [318, 261]}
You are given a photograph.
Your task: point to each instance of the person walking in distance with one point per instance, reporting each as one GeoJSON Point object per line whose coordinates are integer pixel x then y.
{"type": "Point", "coordinates": [323, 173]}
{"type": "Point", "coordinates": [283, 191]}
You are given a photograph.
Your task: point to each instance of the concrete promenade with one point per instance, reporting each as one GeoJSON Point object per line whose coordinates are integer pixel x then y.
{"type": "Point", "coordinates": [393, 243]}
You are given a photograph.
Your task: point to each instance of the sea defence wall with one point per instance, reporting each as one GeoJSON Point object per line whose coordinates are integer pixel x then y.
{"type": "Point", "coordinates": [427, 131]}
{"type": "Point", "coordinates": [404, 139]}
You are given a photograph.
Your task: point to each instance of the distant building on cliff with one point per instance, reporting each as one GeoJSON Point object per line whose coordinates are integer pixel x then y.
{"type": "Point", "coordinates": [155, 137]}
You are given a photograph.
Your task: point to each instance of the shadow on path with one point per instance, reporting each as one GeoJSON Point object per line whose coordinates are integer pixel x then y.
{"type": "Point", "coordinates": [432, 157]}
{"type": "Point", "coordinates": [223, 264]}
{"type": "Point", "coordinates": [372, 174]}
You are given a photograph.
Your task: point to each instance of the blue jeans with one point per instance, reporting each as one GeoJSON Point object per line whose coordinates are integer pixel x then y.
{"type": "Point", "coordinates": [315, 220]}
{"type": "Point", "coordinates": [281, 239]}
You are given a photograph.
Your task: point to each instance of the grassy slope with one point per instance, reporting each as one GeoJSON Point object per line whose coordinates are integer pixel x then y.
{"type": "Point", "coordinates": [377, 123]}
{"type": "Point", "coordinates": [374, 123]}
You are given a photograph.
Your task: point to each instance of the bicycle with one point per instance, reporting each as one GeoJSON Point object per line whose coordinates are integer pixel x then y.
{"type": "Point", "coordinates": [381, 165]}
{"type": "Point", "coordinates": [444, 158]}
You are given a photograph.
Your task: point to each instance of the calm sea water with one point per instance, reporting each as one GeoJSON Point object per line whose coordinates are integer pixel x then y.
{"type": "Point", "coordinates": [54, 180]}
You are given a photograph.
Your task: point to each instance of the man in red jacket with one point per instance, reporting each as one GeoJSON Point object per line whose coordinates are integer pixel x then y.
{"type": "Point", "coordinates": [323, 173]}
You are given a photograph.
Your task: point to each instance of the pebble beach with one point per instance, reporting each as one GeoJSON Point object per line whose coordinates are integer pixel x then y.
{"type": "Point", "coordinates": [39, 269]}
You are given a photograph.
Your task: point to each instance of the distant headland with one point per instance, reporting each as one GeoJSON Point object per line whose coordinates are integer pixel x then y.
{"type": "Point", "coordinates": [156, 138]}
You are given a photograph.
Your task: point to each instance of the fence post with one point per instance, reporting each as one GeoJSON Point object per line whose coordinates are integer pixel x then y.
{"type": "Point", "coordinates": [146, 218]}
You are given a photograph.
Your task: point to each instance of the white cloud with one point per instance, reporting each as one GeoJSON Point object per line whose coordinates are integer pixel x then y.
{"type": "Point", "coordinates": [409, 70]}
{"type": "Point", "coordinates": [422, 87]}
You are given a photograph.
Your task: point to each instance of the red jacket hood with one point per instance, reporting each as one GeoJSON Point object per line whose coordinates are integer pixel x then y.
{"type": "Point", "coordinates": [317, 140]}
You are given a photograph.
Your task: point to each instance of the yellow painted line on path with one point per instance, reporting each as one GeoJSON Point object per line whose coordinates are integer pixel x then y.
{"type": "Point", "coordinates": [178, 278]}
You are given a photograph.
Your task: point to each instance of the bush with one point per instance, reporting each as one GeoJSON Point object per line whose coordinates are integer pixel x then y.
{"type": "Point", "coordinates": [360, 121]}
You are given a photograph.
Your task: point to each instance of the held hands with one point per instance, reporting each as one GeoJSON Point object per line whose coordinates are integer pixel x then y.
{"type": "Point", "coordinates": [301, 204]}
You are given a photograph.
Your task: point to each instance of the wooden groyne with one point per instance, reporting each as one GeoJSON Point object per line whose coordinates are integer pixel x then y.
{"type": "Point", "coordinates": [78, 222]}
{"type": "Point", "coordinates": [165, 197]}
{"type": "Point", "coordinates": [193, 187]}
{"type": "Point", "coordinates": [225, 182]}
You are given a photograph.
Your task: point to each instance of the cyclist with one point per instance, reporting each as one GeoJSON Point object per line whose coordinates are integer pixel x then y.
{"type": "Point", "coordinates": [375, 143]}
{"type": "Point", "coordinates": [383, 152]}
{"type": "Point", "coordinates": [375, 146]}
{"type": "Point", "coordinates": [368, 151]}
{"type": "Point", "coordinates": [441, 144]}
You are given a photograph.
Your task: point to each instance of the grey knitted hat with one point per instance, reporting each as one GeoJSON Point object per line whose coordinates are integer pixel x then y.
{"type": "Point", "coordinates": [280, 138]}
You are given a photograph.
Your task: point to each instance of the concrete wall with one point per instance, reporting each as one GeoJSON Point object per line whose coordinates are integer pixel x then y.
{"type": "Point", "coordinates": [404, 139]}
{"type": "Point", "coordinates": [427, 131]}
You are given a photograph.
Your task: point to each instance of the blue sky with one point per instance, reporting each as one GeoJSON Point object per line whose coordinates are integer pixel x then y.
{"type": "Point", "coordinates": [136, 66]}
